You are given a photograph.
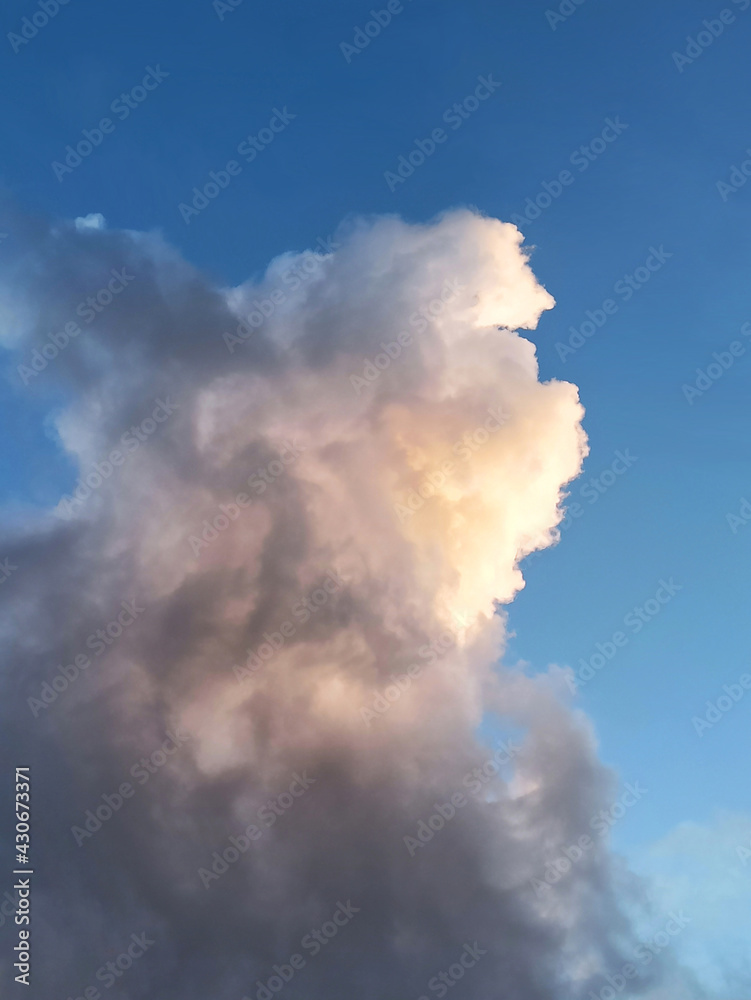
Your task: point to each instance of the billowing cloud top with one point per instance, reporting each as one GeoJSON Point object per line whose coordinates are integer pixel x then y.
{"type": "Point", "coordinates": [297, 503]}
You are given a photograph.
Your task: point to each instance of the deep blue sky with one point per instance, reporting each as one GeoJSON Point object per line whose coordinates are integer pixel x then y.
{"type": "Point", "coordinates": [655, 185]}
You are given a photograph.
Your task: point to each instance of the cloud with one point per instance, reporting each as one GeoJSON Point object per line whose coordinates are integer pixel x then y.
{"type": "Point", "coordinates": [286, 470]}
{"type": "Point", "coordinates": [704, 869]}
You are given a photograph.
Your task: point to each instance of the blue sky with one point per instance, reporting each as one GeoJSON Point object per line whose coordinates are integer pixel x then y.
{"type": "Point", "coordinates": [653, 187]}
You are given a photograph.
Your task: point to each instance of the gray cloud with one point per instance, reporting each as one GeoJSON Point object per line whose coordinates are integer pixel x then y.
{"type": "Point", "coordinates": [334, 509]}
